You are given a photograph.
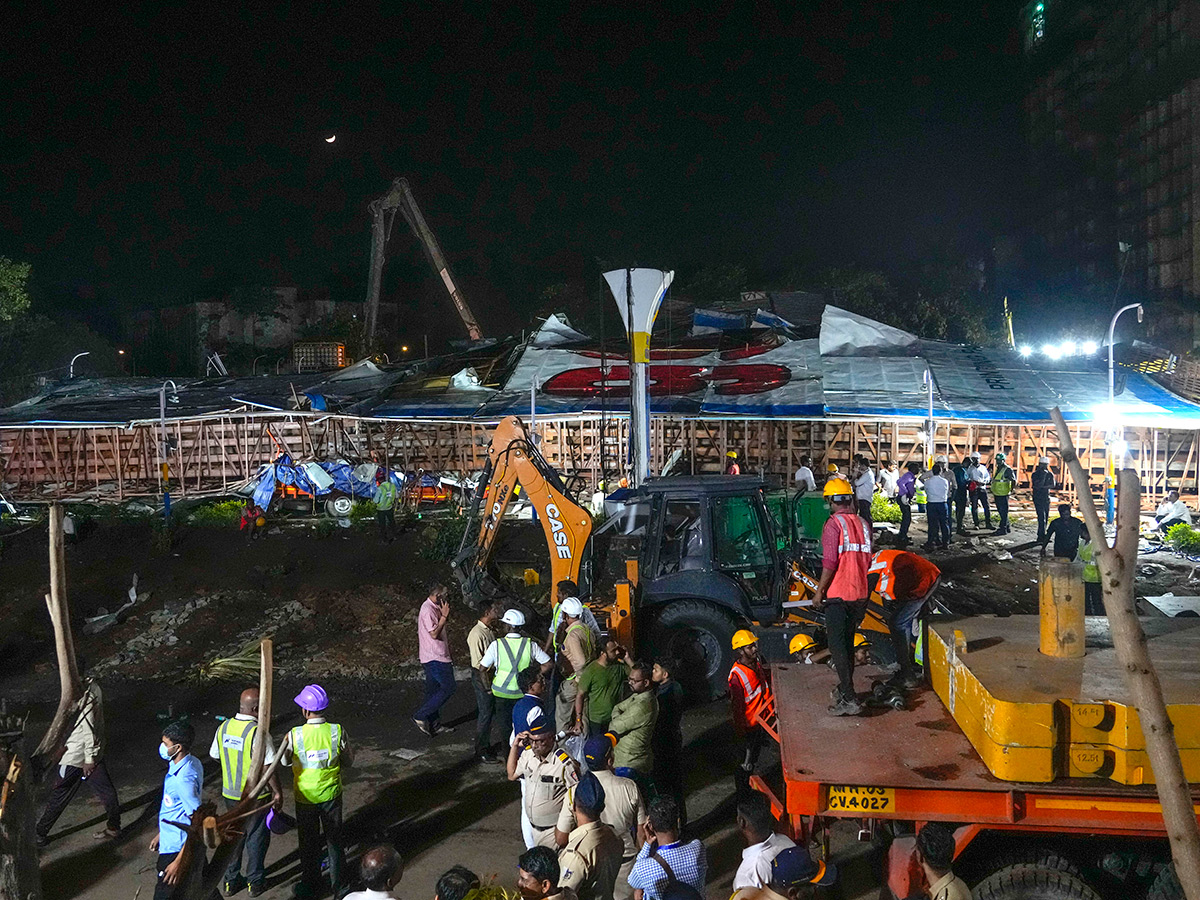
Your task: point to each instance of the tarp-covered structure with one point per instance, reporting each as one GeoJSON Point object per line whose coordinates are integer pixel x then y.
{"type": "Point", "coordinates": [854, 368]}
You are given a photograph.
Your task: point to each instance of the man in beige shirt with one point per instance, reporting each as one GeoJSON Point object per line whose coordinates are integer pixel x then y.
{"type": "Point", "coordinates": [479, 638]}
{"type": "Point", "coordinates": [83, 761]}
{"type": "Point", "coordinates": [547, 774]}
{"type": "Point", "coordinates": [592, 857]}
{"type": "Point", "coordinates": [935, 852]}
{"type": "Point", "coordinates": [624, 809]}
{"type": "Point", "coordinates": [578, 649]}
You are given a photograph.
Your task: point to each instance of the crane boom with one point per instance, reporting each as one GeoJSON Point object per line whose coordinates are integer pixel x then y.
{"type": "Point", "coordinates": [400, 197]}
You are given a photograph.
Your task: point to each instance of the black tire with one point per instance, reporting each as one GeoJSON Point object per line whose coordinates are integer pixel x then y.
{"type": "Point", "coordinates": [699, 635]}
{"type": "Point", "coordinates": [1032, 883]}
{"type": "Point", "coordinates": [339, 507]}
{"type": "Point", "coordinates": [1166, 885]}
{"type": "Point", "coordinates": [1033, 858]}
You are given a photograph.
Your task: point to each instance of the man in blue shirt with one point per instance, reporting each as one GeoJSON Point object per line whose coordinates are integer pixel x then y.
{"type": "Point", "coordinates": [180, 798]}
{"type": "Point", "coordinates": [532, 683]}
{"type": "Point", "coordinates": [664, 859]}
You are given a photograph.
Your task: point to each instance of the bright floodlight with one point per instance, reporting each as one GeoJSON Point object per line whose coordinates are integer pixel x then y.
{"type": "Point", "coordinates": [1053, 351]}
{"type": "Point", "coordinates": [1068, 348]}
{"type": "Point", "coordinates": [1089, 347]}
{"type": "Point", "coordinates": [1025, 350]}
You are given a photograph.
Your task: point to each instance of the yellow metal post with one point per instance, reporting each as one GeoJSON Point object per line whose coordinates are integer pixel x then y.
{"type": "Point", "coordinates": [620, 625]}
{"type": "Point", "coordinates": [1060, 598]}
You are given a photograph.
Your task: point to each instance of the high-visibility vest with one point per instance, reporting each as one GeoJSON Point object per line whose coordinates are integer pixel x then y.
{"type": "Point", "coordinates": [235, 740]}
{"type": "Point", "coordinates": [755, 691]}
{"type": "Point", "coordinates": [1002, 484]}
{"type": "Point", "coordinates": [854, 557]}
{"type": "Point", "coordinates": [387, 495]}
{"type": "Point", "coordinates": [921, 574]}
{"type": "Point", "coordinates": [316, 763]}
{"type": "Point", "coordinates": [508, 663]}
{"type": "Point", "coordinates": [1087, 555]}
{"type": "Point", "coordinates": [919, 495]}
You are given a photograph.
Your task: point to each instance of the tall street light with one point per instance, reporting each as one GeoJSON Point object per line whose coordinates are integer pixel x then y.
{"type": "Point", "coordinates": [163, 449]}
{"type": "Point", "coordinates": [1111, 328]}
{"type": "Point", "coordinates": [71, 368]}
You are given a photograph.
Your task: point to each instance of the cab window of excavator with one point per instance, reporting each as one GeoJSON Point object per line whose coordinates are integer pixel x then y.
{"type": "Point", "coordinates": [681, 546]}
{"type": "Point", "coordinates": [738, 534]}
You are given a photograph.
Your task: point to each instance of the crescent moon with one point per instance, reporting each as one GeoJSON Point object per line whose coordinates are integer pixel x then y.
{"type": "Point", "coordinates": [331, 139]}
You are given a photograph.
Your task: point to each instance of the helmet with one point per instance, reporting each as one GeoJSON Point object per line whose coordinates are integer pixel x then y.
{"type": "Point", "coordinates": [831, 468]}
{"type": "Point", "coordinates": [279, 822]}
{"type": "Point", "coordinates": [313, 698]}
{"type": "Point", "coordinates": [513, 617]}
{"type": "Point", "coordinates": [838, 487]}
{"type": "Point", "coordinates": [1044, 459]}
{"type": "Point", "coordinates": [573, 607]}
{"type": "Point", "coordinates": [260, 521]}
{"type": "Point", "coordinates": [731, 453]}
{"type": "Point", "coordinates": [379, 475]}
{"type": "Point", "coordinates": [975, 455]}
{"type": "Point", "coordinates": [1000, 457]}
{"type": "Point", "coordinates": [861, 641]}
{"type": "Point", "coordinates": [800, 642]}
{"type": "Point", "coordinates": [743, 638]}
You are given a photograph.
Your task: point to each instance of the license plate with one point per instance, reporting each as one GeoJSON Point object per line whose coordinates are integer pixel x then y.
{"type": "Point", "coordinates": [846, 798]}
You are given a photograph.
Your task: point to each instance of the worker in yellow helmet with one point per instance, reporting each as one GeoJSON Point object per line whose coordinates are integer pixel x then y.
{"type": "Point", "coordinates": [750, 698]}
{"type": "Point", "coordinates": [804, 649]}
{"type": "Point", "coordinates": [862, 650]}
{"type": "Point", "coordinates": [731, 463]}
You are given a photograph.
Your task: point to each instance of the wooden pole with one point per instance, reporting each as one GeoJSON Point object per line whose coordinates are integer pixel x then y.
{"type": "Point", "coordinates": [1118, 565]}
{"type": "Point", "coordinates": [265, 681]}
{"type": "Point", "coordinates": [70, 684]}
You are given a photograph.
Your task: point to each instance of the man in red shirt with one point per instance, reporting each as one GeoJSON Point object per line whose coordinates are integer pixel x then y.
{"type": "Point", "coordinates": [842, 591]}
{"type": "Point", "coordinates": [905, 583]}
{"type": "Point", "coordinates": [750, 699]}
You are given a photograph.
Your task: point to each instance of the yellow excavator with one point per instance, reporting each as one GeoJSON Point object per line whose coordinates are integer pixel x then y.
{"type": "Point", "coordinates": [710, 554]}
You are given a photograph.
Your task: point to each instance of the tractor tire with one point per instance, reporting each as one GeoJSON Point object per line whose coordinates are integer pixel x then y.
{"type": "Point", "coordinates": [339, 507]}
{"type": "Point", "coordinates": [1033, 858]}
{"type": "Point", "coordinates": [1021, 882]}
{"type": "Point", "coordinates": [699, 635]}
{"type": "Point", "coordinates": [1166, 885]}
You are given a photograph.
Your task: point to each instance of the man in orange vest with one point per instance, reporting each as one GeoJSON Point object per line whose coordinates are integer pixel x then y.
{"type": "Point", "coordinates": [842, 591]}
{"type": "Point", "coordinates": [750, 696]}
{"type": "Point", "coordinates": [905, 583]}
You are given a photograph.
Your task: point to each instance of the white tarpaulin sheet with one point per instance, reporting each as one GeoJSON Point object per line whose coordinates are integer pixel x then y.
{"type": "Point", "coordinates": [844, 333]}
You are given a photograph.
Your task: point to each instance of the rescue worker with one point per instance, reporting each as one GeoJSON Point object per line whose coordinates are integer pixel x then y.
{"type": "Point", "coordinates": [316, 752]}
{"type": "Point", "coordinates": [905, 583]}
{"type": "Point", "coordinates": [731, 463]}
{"type": "Point", "coordinates": [977, 482]}
{"type": "Point", "coordinates": [960, 493]}
{"type": "Point", "coordinates": [547, 773]}
{"type": "Point", "coordinates": [578, 649]}
{"type": "Point", "coordinates": [180, 798]}
{"type": "Point", "coordinates": [233, 746]}
{"type": "Point", "coordinates": [554, 641]}
{"type": "Point", "coordinates": [1003, 481]}
{"type": "Point", "coordinates": [505, 657]}
{"type": "Point", "coordinates": [802, 648]}
{"type": "Point", "coordinates": [842, 592]}
{"type": "Point", "coordinates": [1041, 483]}
{"type": "Point", "coordinates": [862, 650]}
{"type": "Point", "coordinates": [385, 506]}
{"type": "Point", "coordinates": [624, 808]}
{"type": "Point", "coordinates": [749, 696]}
{"type": "Point", "coordinates": [590, 861]}
{"type": "Point", "coordinates": [1093, 598]}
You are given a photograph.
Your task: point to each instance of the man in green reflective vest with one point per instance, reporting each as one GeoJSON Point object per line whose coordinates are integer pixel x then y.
{"type": "Point", "coordinates": [385, 505]}
{"type": "Point", "coordinates": [508, 656]}
{"type": "Point", "coordinates": [1093, 597]}
{"type": "Point", "coordinates": [233, 746]}
{"type": "Point", "coordinates": [316, 751]}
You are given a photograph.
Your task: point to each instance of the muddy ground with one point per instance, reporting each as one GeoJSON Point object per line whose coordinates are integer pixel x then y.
{"type": "Point", "coordinates": [341, 608]}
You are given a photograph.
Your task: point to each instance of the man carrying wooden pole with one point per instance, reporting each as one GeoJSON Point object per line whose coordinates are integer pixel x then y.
{"type": "Point", "coordinates": [1118, 565]}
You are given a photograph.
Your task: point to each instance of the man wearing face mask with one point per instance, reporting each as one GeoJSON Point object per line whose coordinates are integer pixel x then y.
{"type": "Point", "coordinates": [180, 798]}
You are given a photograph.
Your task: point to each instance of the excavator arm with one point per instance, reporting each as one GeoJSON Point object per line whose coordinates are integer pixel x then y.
{"type": "Point", "coordinates": [514, 460]}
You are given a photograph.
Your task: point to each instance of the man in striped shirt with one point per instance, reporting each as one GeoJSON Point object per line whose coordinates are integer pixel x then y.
{"type": "Point", "coordinates": [664, 859]}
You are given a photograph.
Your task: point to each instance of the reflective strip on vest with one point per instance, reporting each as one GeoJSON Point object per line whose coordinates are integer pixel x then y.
{"type": "Point", "coordinates": [235, 738]}
{"type": "Point", "coordinates": [508, 664]}
{"type": "Point", "coordinates": [316, 765]}
{"type": "Point", "coordinates": [588, 640]}
{"type": "Point", "coordinates": [883, 567]}
{"type": "Point", "coordinates": [848, 542]}
{"type": "Point", "coordinates": [1091, 572]}
{"type": "Point", "coordinates": [1002, 484]}
{"type": "Point", "coordinates": [854, 558]}
{"type": "Point", "coordinates": [754, 691]}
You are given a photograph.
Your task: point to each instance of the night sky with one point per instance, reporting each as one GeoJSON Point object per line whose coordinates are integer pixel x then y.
{"type": "Point", "coordinates": [150, 154]}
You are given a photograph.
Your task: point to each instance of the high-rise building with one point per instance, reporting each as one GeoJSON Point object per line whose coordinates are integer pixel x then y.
{"type": "Point", "coordinates": [1113, 117]}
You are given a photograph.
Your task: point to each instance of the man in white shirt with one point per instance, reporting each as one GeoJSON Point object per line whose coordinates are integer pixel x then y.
{"type": "Point", "coordinates": [979, 475]}
{"type": "Point", "coordinates": [805, 483]}
{"type": "Point", "coordinates": [1172, 511]}
{"type": "Point", "coordinates": [889, 475]}
{"type": "Point", "coordinates": [757, 825]}
{"type": "Point", "coordinates": [864, 486]}
{"type": "Point", "coordinates": [381, 870]}
{"type": "Point", "coordinates": [937, 508]}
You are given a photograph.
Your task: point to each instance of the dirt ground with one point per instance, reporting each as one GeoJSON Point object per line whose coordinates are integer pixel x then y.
{"type": "Point", "coordinates": [341, 608]}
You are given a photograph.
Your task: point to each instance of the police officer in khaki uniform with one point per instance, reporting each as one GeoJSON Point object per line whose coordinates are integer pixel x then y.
{"type": "Point", "coordinates": [624, 809]}
{"type": "Point", "coordinates": [590, 861]}
{"type": "Point", "coordinates": [548, 773]}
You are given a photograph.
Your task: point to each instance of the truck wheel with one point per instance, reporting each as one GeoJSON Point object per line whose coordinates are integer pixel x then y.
{"type": "Point", "coordinates": [1033, 858]}
{"type": "Point", "coordinates": [700, 636]}
{"type": "Point", "coordinates": [1022, 882]}
{"type": "Point", "coordinates": [339, 507]}
{"type": "Point", "coordinates": [1166, 885]}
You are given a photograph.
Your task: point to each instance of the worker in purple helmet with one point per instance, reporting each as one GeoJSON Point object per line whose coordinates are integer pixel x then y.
{"type": "Point", "coordinates": [317, 751]}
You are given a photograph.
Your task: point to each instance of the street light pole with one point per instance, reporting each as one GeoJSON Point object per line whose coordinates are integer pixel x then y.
{"type": "Point", "coordinates": [71, 368]}
{"type": "Point", "coordinates": [1111, 328]}
{"type": "Point", "coordinates": [162, 443]}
